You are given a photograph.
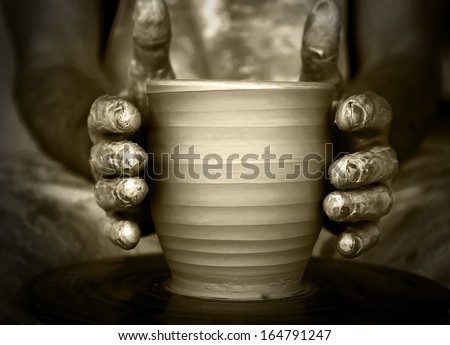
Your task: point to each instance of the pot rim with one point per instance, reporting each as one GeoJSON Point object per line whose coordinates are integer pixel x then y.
{"type": "Point", "coordinates": [199, 85]}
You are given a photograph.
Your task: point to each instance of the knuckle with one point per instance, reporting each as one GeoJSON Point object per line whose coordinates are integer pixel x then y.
{"type": "Point", "coordinates": [102, 195]}
{"type": "Point", "coordinates": [385, 163]}
{"type": "Point", "coordinates": [392, 161]}
{"type": "Point", "coordinates": [93, 120]}
{"type": "Point", "coordinates": [96, 112]}
{"type": "Point", "coordinates": [100, 161]}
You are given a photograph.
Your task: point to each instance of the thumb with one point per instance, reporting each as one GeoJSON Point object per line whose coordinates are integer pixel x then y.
{"type": "Point", "coordinates": [151, 40]}
{"type": "Point", "coordinates": [320, 45]}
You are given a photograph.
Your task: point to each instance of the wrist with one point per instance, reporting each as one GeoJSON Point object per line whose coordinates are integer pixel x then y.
{"type": "Point", "coordinates": [410, 84]}
{"type": "Point", "coordinates": [54, 103]}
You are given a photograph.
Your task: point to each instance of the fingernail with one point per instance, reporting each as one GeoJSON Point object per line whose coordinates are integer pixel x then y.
{"type": "Point", "coordinates": [321, 7]}
{"type": "Point", "coordinates": [124, 233]}
{"type": "Point", "coordinates": [321, 43]}
{"type": "Point", "coordinates": [125, 117]}
{"type": "Point", "coordinates": [336, 207]}
{"type": "Point", "coordinates": [151, 22]}
{"type": "Point", "coordinates": [327, 9]}
{"type": "Point", "coordinates": [349, 246]}
{"type": "Point", "coordinates": [349, 171]}
{"type": "Point", "coordinates": [354, 117]}
{"type": "Point", "coordinates": [131, 192]}
{"type": "Point", "coordinates": [128, 235]}
{"type": "Point", "coordinates": [357, 239]}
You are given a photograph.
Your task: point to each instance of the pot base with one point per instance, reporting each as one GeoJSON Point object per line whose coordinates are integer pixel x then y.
{"type": "Point", "coordinates": [131, 291]}
{"type": "Point", "coordinates": [245, 291]}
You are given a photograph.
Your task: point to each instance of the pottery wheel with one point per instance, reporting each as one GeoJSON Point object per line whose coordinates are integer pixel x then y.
{"type": "Point", "coordinates": [131, 291]}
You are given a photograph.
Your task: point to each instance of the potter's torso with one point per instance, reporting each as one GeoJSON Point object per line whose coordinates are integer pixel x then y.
{"type": "Point", "coordinates": [225, 39]}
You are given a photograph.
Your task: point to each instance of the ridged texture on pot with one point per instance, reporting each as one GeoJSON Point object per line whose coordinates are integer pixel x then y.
{"type": "Point", "coordinates": [235, 233]}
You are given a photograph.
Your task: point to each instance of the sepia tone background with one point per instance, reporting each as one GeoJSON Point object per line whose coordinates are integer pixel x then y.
{"type": "Point", "coordinates": [35, 220]}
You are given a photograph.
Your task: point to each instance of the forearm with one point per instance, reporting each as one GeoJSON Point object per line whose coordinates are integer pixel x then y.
{"type": "Point", "coordinates": [411, 85]}
{"type": "Point", "coordinates": [54, 103]}
{"type": "Point", "coordinates": [395, 48]}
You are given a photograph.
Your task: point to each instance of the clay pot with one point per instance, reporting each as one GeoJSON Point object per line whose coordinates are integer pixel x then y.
{"type": "Point", "coordinates": [237, 183]}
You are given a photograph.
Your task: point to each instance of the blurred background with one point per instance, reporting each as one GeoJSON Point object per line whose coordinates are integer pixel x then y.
{"type": "Point", "coordinates": [13, 135]}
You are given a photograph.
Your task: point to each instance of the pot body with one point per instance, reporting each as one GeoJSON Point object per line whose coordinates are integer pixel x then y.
{"type": "Point", "coordinates": [237, 181]}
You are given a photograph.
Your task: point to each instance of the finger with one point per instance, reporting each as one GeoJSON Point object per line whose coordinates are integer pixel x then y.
{"type": "Point", "coordinates": [124, 233]}
{"type": "Point", "coordinates": [377, 164]}
{"type": "Point", "coordinates": [357, 239]}
{"type": "Point", "coordinates": [361, 204]}
{"type": "Point", "coordinates": [366, 112]}
{"type": "Point", "coordinates": [151, 35]}
{"type": "Point", "coordinates": [120, 194]}
{"type": "Point", "coordinates": [110, 115]}
{"type": "Point", "coordinates": [320, 45]}
{"type": "Point", "coordinates": [114, 159]}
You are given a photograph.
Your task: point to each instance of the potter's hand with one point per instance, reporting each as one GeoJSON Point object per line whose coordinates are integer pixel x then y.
{"type": "Point", "coordinates": [362, 195]}
{"type": "Point", "coordinates": [115, 123]}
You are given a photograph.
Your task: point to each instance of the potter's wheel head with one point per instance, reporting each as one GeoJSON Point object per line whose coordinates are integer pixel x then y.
{"type": "Point", "coordinates": [131, 291]}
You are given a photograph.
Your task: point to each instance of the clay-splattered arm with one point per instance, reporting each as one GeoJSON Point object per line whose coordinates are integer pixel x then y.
{"type": "Point", "coordinates": [57, 76]}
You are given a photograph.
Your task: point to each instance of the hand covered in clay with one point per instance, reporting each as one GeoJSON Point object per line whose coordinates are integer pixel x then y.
{"type": "Point", "coordinates": [362, 194]}
{"type": "Point", "coordinates": [116, 126]}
